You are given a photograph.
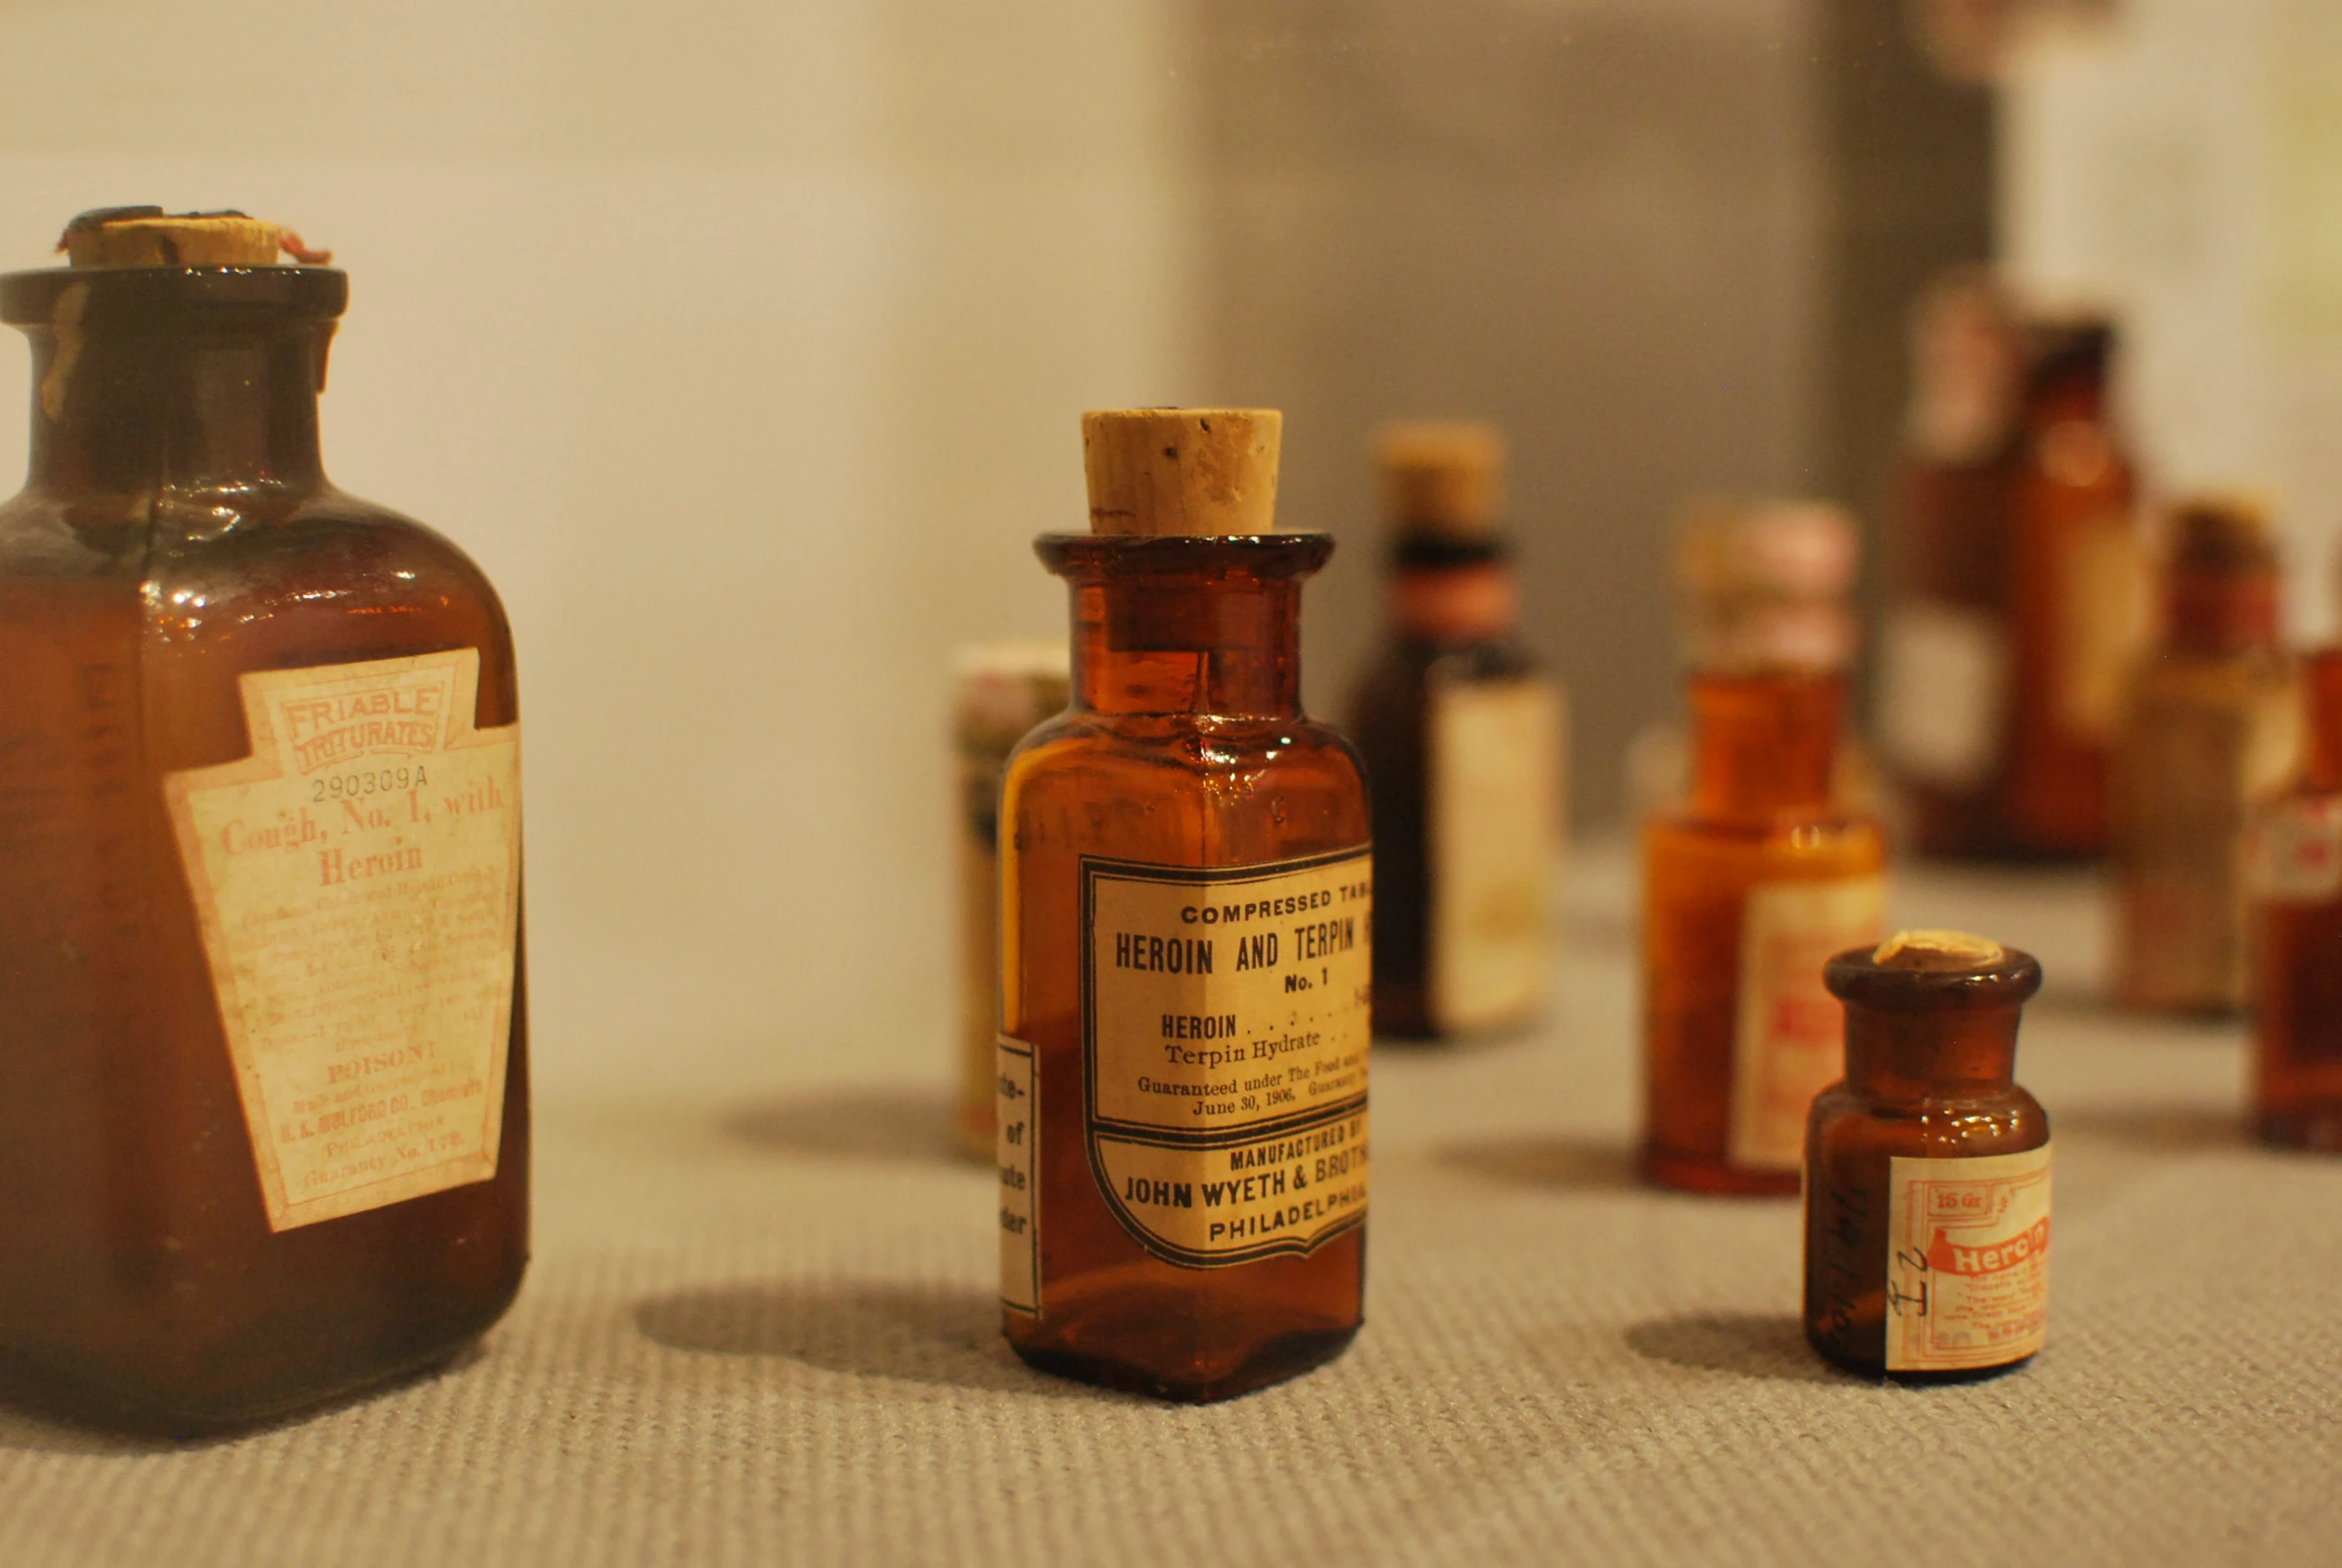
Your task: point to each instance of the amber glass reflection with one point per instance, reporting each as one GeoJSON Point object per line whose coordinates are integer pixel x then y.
{"type": "Point", "coordinates": [1761, 811]}
{"type": "Point", "coordinates": [2297, 1060]}
{"type": "Point", "coordinates": [1389, 716]}
{"type": "Point", "coordinates": [1185, 745]}
{"type": "Point", "coordinates": [177, 530]}
{"type": "Point", "coordinates": [1930, 1064]}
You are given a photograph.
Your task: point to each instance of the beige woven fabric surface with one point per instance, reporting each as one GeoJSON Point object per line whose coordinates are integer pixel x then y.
{"type": "Point", "coordinates": [763, 1332]}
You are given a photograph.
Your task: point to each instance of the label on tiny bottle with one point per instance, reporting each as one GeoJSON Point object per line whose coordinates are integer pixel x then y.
{"type": "Point", "coordinates": [1967, 1262]}
{"type": "Point", "coordinates": [1017, 1094]}
{"type": "Point", "coordinates": [2294, 850]}
{"type": "Point", "coordinates": [1942, 693]}
{"type": "Point", "coordinates": [1788, 1036]}
{"type": "Point", "coordinates": [1493, 798]}
{"type": "Point", "coordinates": [1224, 1031]}
{"type": "Point", "coordinates": [358, 883]}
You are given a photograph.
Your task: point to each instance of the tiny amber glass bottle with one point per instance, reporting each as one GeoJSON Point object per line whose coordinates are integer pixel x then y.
{"type": "Point", "coordinates": [1747, 891]}
{"type": "Point", "coordinates": [264, 1126]}
{"type": "Point", "coordinates": [2210, 724]}
{"type": "Point", "coordinates": [1185, 945]}
{"type": "Point", "coordinates": [2296, 882]}
{"type": "Point", "coordinates": [1462, 734]}
{"type": "Point", "coordinates": [1928, 1168]}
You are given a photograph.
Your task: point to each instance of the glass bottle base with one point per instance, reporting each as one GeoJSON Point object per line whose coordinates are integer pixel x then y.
{"type": "Point", "coordinates": [1714, 1178]}
{"type": "Point", "coordinates": [1875, 1365]}
{"type": "Point", "coordinates": [2319, 1129]}
{"type": "Point", "coordinates": [1286, 1356]}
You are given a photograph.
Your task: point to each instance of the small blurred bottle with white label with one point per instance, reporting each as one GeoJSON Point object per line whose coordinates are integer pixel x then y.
{"type": "Point", "coordinates": [2295, 870]}
{"type": "Point", "coordinates": [2211, 721]}
{"type": "Point", "coordinates": [1463, 736]}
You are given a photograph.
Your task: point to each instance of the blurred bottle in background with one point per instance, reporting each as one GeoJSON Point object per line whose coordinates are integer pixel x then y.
{"type": "Point", "coordinates": [1000, 690]}
{"type": "Point", "coordinates": [1463, 737]}
{"type": "Point", "coordinates": [2295, 859]}
{"type": "Point", "coordinates": [2019, 597]}
{"type": "Point", "coordinates": [1758, 582]}
{"type": "Point", "coordinates": [2211, 722]}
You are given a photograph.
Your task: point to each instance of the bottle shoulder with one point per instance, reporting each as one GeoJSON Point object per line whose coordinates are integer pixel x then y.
{"type": "Point", "coordinates": [1835, 842]}
{"type": "Point", "coordinates": [1932, 1127]}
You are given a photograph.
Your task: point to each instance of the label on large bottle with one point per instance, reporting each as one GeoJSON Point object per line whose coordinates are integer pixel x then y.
{"type": "Point", "coordinates": [2294, 852]}
{"type": "Point", "coordinates": [1788, 1036]}
{"type": "Point", "coordinates": [358, 883]}
{"type": "Point", "coordinates": [1943, 692]}
{"type": "Point", "coordinates": [1016, 1122]}
{"type": "Point", "coordinates": [1493, 799]}
{"type": "Point", "coordinates": [1224, 1029]}
{"type": "Point", "coordinates": [1967, 1262]}
{"type": "Point", "coordinates": [2102, 624]}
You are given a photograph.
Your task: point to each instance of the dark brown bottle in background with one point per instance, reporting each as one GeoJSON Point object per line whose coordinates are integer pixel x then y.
{"type": "Point", "coordinates": [2296, 882]}
{"type": "Point", "coordinates": [2211, 723]}
{"type": "Point", "coordinates": [1928, 1168]}
{"type": "Point", "coordinates": [1186, 936]}
{"type": "Point", "coordinates": [1463, 737]}
{"type": "Point", "coordinates": [264, 1128]}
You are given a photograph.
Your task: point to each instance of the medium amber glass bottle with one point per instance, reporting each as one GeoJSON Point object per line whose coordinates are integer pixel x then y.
{"type": "Point", "coordinates": [1462, 734]}
{"type": "Point", "coordinates": [2296, 880]}
{"type": "Point", "coordinates": [1186, 922]}
{"type": "Point", "coordinates": [1928, 1168]}
{"type": "Point", "coordinates": [2211, 723]}
{"type": "Point", "coordinates": [1747, 890]}
{"type": "Point", "coordinates": [264, 1133]}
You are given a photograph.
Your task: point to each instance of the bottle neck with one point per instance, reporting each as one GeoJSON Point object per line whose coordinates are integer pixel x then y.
{"type": "Point", "coordinates": [1905, 1054]}
{"type": "Point", "coordinates": [2322, 681]}
{"type": "Point", "coordinates": [1188, 626]}
{"type": "Point", "coordinates": [125, 410]}
{"type": "Point", "coordinates": [1764, 745]}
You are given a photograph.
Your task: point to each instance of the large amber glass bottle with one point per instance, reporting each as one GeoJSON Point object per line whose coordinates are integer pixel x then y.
{"type": "Point", "coordinates": [264, 1131]}
{"type": "Point", "coordinates": [1185, 945]}
{"type": "Point", "coordinates": [1463, 733]}
{"type": "Point", "coordinates": [1928, 1168]}
{"type": "Point", "coordinates": [2211, 723]}
{"type": "Point", "coordinates": [2296, 881]}
{"type": "Point", "coordinates": [1748, 888]}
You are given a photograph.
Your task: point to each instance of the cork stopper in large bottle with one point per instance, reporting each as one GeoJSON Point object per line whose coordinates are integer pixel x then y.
{"type": "Point", "coordinates": [1197, 472]}
{"type": "Point", "coordinates": [150, 236]}
{"type": "Point", "coordinates": [1442, 477]}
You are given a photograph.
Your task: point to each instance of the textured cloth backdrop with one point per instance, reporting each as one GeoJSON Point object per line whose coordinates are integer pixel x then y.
{"type": "Point", "coordinates": [764, 1332]}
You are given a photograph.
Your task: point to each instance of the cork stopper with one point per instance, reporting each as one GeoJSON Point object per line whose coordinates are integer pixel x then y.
{"type": "Point", "coordinates": [150, 236]}
{"type": "Point", "coordinates": [1196, 472]}
{"type": "Point", "coordinates": [1939, 952]}
{"type": "Point", "coordinates": [1442, 477]}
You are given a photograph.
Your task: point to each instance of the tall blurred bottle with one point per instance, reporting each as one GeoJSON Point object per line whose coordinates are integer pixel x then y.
{"type": "Point", "coordinates": [1000, 690]}
{"type": "Point", "coordinates": [2020, 594]}
{"type": "Point", "coordinates": [2295, 869]}
{"type": "Point", "coordinates": [2211, 722]}
{"type": "Point", "coordinates": [1463, 737]}
{"type": "Point", "coordinates": [263, 1113]}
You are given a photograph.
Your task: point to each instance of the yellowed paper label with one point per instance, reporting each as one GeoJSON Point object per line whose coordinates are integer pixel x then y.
{"type": "Point", "coordinates": [1495, 798]}
{"type": "Point", "coordinates": [1224, 1030]}
{"type": "Point", "coordinates": [1017, 1086]}
{"type": "Point", "coordinates": [1967, 1262]}
{"type": "Point", "coordinates": [2103, 623]}
{"type": "Point", "coordinates": [1789, 1043]}
{"type": "Point", "coordinates": [357, 881]}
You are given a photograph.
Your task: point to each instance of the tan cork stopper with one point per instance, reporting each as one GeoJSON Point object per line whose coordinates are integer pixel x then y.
{"type": "Point", "coordinates": [150, 236]}
{"type": "Point", "coordinates": [1443, 478]}
{"type": "Point", "coordinates": [1198, 472]}
{"type": "Point", "coordinates": [1939, 952]}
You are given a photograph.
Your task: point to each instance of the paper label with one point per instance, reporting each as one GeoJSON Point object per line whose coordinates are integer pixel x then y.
{"type": "Point", "coordinates": [1224, 1030]}
{"type": "Point", "coordinates": [1788, 1039]}
{"type": "Point", "coordinates": [1495, 804]}
{"type": "Point", "coordinates": [1967, 1262]}
{"type": "Point", "coordinates": [1018, 1087]}
{"type": "Point", "coordinates": [358, 882]}
{"type": "Point", "coordinates": [2102, 624]}
{"type": "Point", "coordinates": [1942, 693]}
{"type": "Point", "coordinates": [2294, 854]}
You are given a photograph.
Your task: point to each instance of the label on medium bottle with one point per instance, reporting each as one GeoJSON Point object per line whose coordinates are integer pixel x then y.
{"type": "Point", "coordinates": [2102, 624]}
{"type": "Point", "coordinates": [1494, 806]}
{"type": "Point", "coordinates": [1224, 1033]}
{"type": "Point", "coordinates": [1967, 1262]}
{"type": "Point", "coordinates": [2294, 851]}
{"type": "Point", "coordinates": [1788, 1033]}
{"type": "Point", "coordinates": [1943, 692]}
{"type": "Point", "coordinates": [356, 879]}
{"type": "Point", "coordinates": [1017, 1090]}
